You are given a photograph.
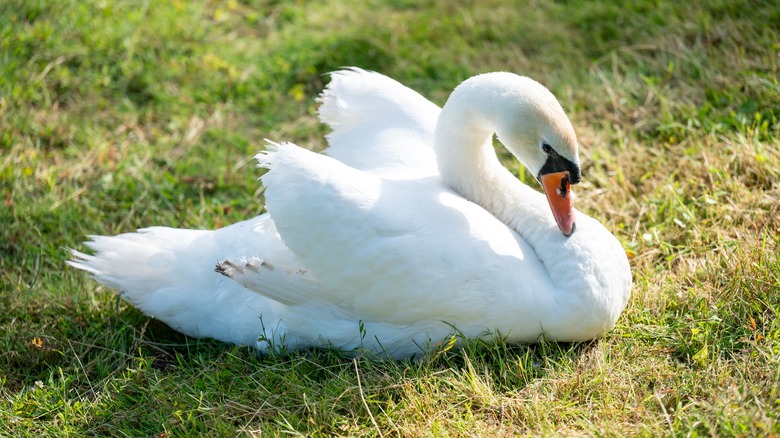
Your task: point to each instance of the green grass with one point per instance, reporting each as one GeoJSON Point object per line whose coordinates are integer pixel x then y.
{"type": "Point", "coordinates": [120, 115]}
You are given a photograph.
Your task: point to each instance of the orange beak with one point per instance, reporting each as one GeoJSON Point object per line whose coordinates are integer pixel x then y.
{"type": "Point", "coordinates": [558, 190]}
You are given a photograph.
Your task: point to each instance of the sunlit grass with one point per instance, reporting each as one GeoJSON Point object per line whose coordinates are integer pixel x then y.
{"type": "Point", "coordinates": [120, 115]}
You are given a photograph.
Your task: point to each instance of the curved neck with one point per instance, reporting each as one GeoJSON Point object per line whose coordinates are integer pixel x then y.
{"type": "Point", "coordinates": [468, 164]}
{"type": "Point", "coordinates": [589, 266]}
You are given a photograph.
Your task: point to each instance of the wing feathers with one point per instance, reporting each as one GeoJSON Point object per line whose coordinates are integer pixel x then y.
{"type": "Point", "coordinates": [287, 284]}
{"type": "Point", "coordinates": [379, 125]}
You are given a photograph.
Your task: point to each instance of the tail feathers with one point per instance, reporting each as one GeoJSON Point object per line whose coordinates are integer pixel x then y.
{"type": "Point", "coordinates": [137, 263]}
{"type": "Point", "coordinates": [169, 274]}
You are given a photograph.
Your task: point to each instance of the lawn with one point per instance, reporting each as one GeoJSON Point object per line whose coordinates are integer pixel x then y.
{"type": "Point", "coordinates": [120, 115]}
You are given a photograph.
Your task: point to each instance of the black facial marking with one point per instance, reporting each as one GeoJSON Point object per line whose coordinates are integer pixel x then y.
{"type": "Point", "coordinates": [557, 163]}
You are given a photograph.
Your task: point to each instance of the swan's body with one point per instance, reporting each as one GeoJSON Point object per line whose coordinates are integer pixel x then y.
{"type": "Point", "coordinates": [405, 233]}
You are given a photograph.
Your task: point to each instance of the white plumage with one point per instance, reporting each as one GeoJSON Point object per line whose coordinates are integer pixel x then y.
{"type": "Point", "coordinates": [403, 233]}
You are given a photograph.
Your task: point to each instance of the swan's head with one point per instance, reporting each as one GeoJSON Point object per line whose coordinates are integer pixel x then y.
{"type": "Point", "coordinates": [527, 119]}
{"type": "Point", "coordinates": [534, 127]}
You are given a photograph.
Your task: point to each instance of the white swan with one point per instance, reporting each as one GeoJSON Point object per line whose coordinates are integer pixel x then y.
{"type": "Point", "coordinates": [408, 231]}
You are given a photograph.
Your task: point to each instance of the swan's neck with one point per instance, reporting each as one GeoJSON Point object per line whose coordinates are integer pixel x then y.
{"type": "Point", "coordinates": [589, 268]}
{"type": "Point", "coordinates": [468, 164]}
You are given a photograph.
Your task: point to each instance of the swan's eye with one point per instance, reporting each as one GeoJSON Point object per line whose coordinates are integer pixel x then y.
{"type": "Point", "coordinates": [547, 149]}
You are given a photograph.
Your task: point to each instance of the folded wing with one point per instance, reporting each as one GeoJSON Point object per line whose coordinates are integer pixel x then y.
{"type": "Point", "coordinates": [379, 125]}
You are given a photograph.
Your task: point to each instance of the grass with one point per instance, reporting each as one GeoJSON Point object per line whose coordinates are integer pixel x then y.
{"type": "Point", "coordinates": [120, 115]}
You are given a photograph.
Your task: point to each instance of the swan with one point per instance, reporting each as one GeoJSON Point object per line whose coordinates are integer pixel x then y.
{"type": "Point", "coordinates": [406, 232]}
